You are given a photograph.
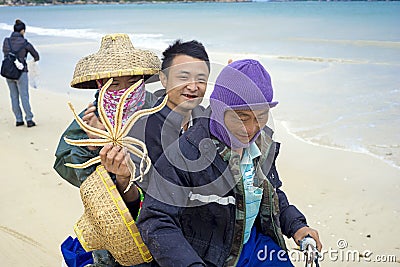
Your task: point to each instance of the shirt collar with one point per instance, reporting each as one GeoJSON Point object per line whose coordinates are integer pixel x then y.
{"type": "Point", "coordinates": [190, 124]}
{"type": "Point", "coordinates": [250, 153]}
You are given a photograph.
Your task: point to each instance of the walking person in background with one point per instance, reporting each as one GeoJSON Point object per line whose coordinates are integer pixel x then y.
{"type": "Point", "coordinates": [19, 89]}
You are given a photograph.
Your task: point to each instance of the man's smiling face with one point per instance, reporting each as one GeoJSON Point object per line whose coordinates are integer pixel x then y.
{"type": "Point", "coordinates": [245, 124]}
{"type": "Point", "coordinates": [185, 82]}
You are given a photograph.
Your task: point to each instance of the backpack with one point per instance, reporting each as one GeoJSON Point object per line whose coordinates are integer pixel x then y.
{"type": "Point", "coordinates": [9, 68]}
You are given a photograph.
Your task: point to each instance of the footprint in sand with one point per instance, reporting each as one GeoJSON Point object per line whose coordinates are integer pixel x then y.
{"type": "Point", "coordinates": [17, 249]}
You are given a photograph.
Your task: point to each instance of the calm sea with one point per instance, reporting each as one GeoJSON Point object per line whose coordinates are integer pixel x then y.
{"type": "Point", "coordinates": [335, 65]}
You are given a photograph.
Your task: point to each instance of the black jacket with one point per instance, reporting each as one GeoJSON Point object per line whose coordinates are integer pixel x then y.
{"type": "Point", "coordinates": [161, 129]}
{"type": "Point", "coordinates": [17, 40]}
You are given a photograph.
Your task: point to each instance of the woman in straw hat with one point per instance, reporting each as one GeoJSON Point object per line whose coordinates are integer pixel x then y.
{"type": "Point", "coordinates": [117, 59]}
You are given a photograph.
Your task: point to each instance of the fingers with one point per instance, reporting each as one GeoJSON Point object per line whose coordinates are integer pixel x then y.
{"type": "Point", "coordinates": [303, 232]}
{"type": "Point", "coordinates": [111, 157]}
{"type": "Point", "coordinates": [91, 108]}
{"type": "Point", "coordinates": [314, 234]}
{"type": "Point", "coordinates": [92, 120]}
{"type": "Point", "coordinates": [88, 116]}
{"type": "Point", "coordinates": [103, 154]}
{"type": "Point", "coordinates": [89, 113]}
{"type": "Point", "coordinates": [114, 160]}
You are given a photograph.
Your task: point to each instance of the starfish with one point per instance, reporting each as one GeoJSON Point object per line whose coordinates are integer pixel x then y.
{"type": "Point", "coordinates": [117, 134]}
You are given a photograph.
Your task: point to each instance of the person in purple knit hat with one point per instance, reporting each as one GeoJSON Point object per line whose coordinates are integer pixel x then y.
{"type": "Point", "coordinates": [214, 198]}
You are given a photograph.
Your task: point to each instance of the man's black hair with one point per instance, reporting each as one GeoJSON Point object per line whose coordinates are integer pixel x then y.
{"type": "Point", "coordinates": [191, 48]}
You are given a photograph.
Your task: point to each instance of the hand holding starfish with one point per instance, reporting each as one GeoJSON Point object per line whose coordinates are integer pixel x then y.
{"type": "Point", "coordinates": [117, 134]}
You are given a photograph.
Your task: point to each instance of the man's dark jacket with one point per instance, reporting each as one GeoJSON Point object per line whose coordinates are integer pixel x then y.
{"type": "Point", "coordinates": [161, 129]}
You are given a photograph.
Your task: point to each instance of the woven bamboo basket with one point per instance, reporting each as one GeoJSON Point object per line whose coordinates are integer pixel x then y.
{"type": "Point", "coordinates": [107, 223]}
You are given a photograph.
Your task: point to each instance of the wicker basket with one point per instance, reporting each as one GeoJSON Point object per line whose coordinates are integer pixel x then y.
{"type": "Point", "coordinates": [107, 223]}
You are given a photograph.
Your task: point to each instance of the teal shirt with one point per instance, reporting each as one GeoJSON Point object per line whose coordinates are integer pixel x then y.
{"type": "Point", "coordinates": [252, 194]}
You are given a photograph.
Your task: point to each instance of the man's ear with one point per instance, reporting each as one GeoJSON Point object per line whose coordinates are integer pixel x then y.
{"type": "Point", "coordinates": [163, 79]}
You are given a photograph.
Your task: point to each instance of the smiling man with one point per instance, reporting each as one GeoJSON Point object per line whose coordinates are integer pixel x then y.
{"type": "Point", "coordinates": [184, 74]}
{"type": "Point", "coordinates": [241, 123]}
{"type": "Point", "coordinates": [185, 80]}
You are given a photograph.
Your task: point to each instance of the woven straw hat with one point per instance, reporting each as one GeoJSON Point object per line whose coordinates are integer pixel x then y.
{"type": "Point", "coordinates": [107, 223]}
{"type": "Point", "coordinates": [116, 57]}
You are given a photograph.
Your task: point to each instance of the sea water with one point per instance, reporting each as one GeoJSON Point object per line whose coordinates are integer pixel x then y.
{"type": "Point", "coordinates": [335, 65]}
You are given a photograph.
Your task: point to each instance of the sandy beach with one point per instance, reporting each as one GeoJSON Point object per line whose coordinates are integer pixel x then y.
{"type": "Point", "coordinates": [351, 198]}
{"type": "Point", "coordinates": [38, 208]}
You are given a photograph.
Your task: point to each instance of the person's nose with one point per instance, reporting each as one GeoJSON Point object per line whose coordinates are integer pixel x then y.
{"type": "Point", "coordinates": [252, 128]}
{"type": "Point", "coordinates": [123, 85]}
{"type": "Point", "coordinates": [192, 85]}
{"type": "Point", "coordinates": [127, 84]}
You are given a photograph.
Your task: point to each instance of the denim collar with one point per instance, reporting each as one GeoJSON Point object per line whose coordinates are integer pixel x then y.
{"type": "Point", "coordinates": [250, 153]}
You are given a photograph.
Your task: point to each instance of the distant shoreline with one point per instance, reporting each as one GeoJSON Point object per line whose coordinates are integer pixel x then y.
{"type": "Point", "coordinates": [102, 2]}
{"type": "Point", "coordinates": [97, 2]}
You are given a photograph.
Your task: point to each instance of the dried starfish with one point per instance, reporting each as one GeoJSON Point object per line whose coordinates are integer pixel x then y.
{"type": "Point", "coordinates": [117, 134]}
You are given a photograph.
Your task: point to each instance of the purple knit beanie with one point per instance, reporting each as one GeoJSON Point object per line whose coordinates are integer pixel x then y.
{"type": "Point", "coordinates": [241, 85]}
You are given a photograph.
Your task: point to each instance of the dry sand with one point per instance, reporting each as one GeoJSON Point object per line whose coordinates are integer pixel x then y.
{"type": "Point", "coordinates": [347, 196]}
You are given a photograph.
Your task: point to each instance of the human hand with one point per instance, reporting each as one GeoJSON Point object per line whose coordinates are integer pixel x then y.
{"type": "Point", "coordinates": [115, 160]}
{"type": "Point", "coordinates": [303, 232]}
{"type": "Point", "coordinates": [91, 119]}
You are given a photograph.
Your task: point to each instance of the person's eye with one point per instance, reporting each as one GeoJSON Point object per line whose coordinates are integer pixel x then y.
{"type": "Point", "coordinates": [183, 77]}
{"type": "Point", "coordinates": [262, 117]}
{"type": "Point", "coordinates": [241, 119]}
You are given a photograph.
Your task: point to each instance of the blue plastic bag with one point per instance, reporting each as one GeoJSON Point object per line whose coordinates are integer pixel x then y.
{"type": "Point", "coordinates": [74, 254]}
